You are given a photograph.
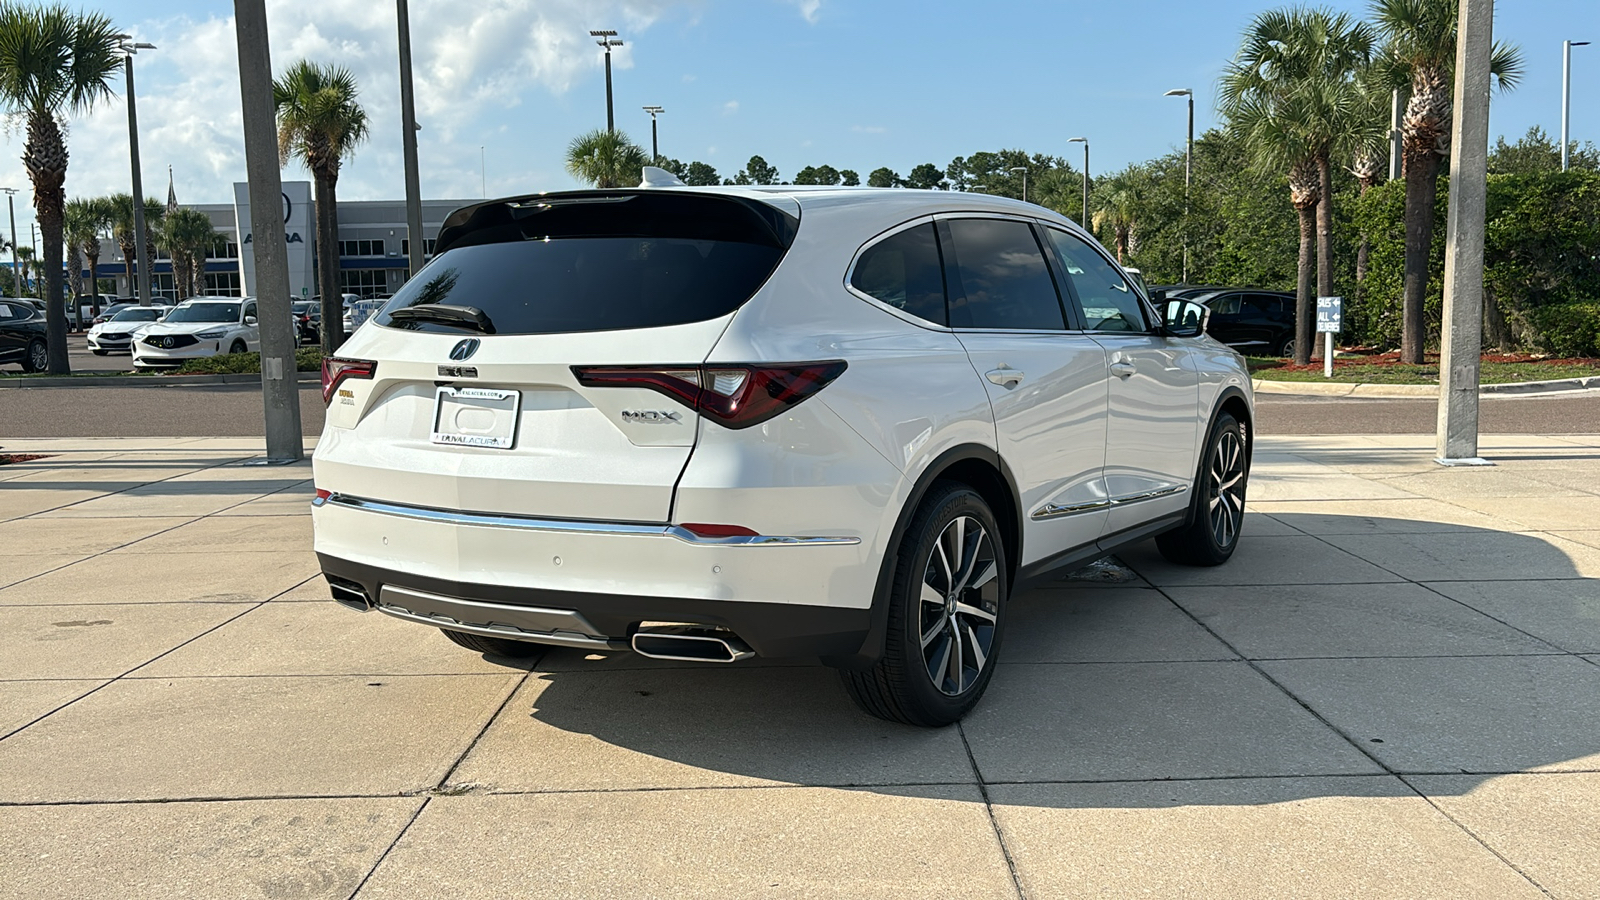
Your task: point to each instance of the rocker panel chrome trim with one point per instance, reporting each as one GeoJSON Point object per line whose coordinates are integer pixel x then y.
{"type": "Point", "coordinates": [1054, 511]}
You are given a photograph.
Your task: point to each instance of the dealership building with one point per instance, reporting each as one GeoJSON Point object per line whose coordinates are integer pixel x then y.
{"type": "Point", "coordinates": [374, 252]}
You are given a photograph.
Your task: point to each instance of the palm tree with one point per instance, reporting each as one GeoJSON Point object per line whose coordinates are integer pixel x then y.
{"type": "Point", "coordinates": [187, 236]}
{"type": "Point", "coordinates": [119, 209]}
{"type": "Point", "coordinates": [25, 260]}
{"type": "Point", "coordinates": [605, 159]}
{"type": "Point", "coordinates": [84, 221]}
{"type": "Point", "coordinates": [1308, 58]}
{"type": "Point", "coordinates": [1368, 141]}
{"type": "Point", "coordinates": [320, 123]}
{"type": "Point", "coordinates": [1420, 52]}
{"type": "Point", "coordinates": [1118, 211]}
{"type": "Point", "coordinates": [53, 62]}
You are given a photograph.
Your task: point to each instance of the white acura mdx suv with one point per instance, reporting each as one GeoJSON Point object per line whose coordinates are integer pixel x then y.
{"type": "Point", "coordinates": [197, 328]}
{"type": "Point", "coordinates": [713, 423]}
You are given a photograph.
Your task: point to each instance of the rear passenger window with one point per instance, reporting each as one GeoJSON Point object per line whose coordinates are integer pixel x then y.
{"type": "Point", "coordinates": [997, 276]}
{"type": "Point", "coordinates": [1226, 305]}
{"type": "Point", "coordinates": [903, 271]}
{"type": "Point", "coordinates": [1108, 302]}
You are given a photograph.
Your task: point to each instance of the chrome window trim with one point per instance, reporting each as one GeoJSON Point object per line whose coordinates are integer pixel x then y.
{"type": "Point", "coordinates": [1056, 511]}
{"type": "Point", "coordinates": [576, 526]}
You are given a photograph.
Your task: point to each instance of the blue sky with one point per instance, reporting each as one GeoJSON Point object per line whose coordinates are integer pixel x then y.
{"type": "Point", "coordinates": [849, 83]}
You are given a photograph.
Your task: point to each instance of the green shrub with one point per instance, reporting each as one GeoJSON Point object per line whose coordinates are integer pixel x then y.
{"type": "Point", "coordinates": [1569, 329]}
{"type": "Point", "coordinates": [306, 359]}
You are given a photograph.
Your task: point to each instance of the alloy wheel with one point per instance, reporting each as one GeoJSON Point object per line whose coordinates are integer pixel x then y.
{"type": "Point", "coordinates": [40, 356]}
{"type": "Point", "coordinates": [1227, 488]}
{"type": "Point", "coordinates": [960, 604]}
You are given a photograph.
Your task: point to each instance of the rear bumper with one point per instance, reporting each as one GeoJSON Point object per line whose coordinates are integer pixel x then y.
{"type": "Point", "coordinates": [595, 620]}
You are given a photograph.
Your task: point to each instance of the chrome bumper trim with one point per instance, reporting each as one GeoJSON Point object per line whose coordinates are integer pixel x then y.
{"type": "Point", "coordinates": [1055, 511]}
{"type": "Point", "coordinates": [572, 526]}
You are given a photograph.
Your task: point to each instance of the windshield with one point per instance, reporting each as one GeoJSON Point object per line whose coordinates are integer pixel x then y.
{"type": "Point", "coordinates": [143, 314]}
{"type": "Point", "coordinates": [205, 312]}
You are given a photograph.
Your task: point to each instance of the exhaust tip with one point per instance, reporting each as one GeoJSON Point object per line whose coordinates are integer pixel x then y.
{"type": "Point", "coordinates": [350, 595]}
{"type": "Point", "coordinates": [690, 643]}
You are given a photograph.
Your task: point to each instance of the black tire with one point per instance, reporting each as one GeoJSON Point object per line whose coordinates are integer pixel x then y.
{"type": "Point", "coordinates": [101, 352]}
{"type": "Point", "coordinates": [1216, 512]}
{"type": "Point", "coordinates": [38, 358]}
{"type": "Point", "coordinates": [926, 624]}
{"type": "Point", "coordinates": [494, 646]}
{"type": "Point", "coordinates": [239, 346]}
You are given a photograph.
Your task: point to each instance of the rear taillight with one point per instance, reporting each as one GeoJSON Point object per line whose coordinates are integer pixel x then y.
{"type": "Point", "coordinates": [336, 370]}
{"type": "Point", "coordinates": [736, 396]}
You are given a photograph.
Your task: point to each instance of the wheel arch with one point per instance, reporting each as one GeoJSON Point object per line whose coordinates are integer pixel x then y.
{"type": "Point", "coordinates": [980, 468]}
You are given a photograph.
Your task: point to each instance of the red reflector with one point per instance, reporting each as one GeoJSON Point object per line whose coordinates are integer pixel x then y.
{"type": "Point", "coordinates": [704, 530]}
{"type": "Point", "coordinates": [323, 495]}
{"type": "Point", "coordinates": [734, 395]}
{"type": "Point", "coordinates": [335, 370]}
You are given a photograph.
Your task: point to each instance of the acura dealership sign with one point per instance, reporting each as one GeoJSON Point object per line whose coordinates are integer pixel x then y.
{"type": "Point", "coordinates": [297, 235]}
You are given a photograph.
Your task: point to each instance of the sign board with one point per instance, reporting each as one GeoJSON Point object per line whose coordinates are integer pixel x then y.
{"type": "Point", "coordinates": [298, 231]}
{"type": "Point", "coordinates": [1330, 315]}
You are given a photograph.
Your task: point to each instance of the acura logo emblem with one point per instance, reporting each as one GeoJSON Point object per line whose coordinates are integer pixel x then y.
{"type": "Point", "coordinates": [464, 349]}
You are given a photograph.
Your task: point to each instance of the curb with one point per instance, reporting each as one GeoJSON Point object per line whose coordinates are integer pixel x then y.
{"type": "Point", "coordinates": [1324, 389]}
{"type": "Point", "coordinates": [146, 380]}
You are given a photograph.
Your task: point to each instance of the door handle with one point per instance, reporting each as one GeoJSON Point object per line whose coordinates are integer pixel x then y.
{"type": "Point", "coordinates": [1004, 376]}
{"type": "Point", "coordinates": [1123, 369]}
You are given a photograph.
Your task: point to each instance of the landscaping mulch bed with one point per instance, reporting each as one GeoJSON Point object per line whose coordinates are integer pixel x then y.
{"type": "Point", "coordinates": [8, 458]}
{"type": "Point", "coordinates": [1357, 365]}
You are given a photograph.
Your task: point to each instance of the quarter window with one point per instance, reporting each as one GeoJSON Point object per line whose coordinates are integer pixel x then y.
{"type": "Point", "coordinates": [903, 271]}
{"type": "Point", "coordinates": [1107, 300]}
{"type": "Point", "coordinates": [997, 276]}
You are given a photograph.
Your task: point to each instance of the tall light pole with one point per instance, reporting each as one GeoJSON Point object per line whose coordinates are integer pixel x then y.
{"type": "Point", "coordinates": [11, 204]}
{"type": "Point", "coordinates": [129, 51]}
{"type": "Point", "coordinates": [655, 149]}
{"type": "Point", "coordinates": [1085, 142]}
{"type": "Point", "coordinates": [1024, 171]}
{"type": "Point", "coordinates": [1394, 134]}
{"type": "Point", "coordinates": [1188, 174]}
{"type": "Point", "coordinates": [408, 144]}
{"type": "Point", "coordinates": [608, 40]}
{"type": "Point", "coordinates": [1566, 95]}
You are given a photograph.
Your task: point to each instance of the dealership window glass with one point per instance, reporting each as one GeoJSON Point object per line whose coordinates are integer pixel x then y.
{"type": "Point", "coordinates": [997, 276]}
{"type": "Point", "coordinates": [1108, 302]}
{"type": "Point", "coordinates": [903, 270]}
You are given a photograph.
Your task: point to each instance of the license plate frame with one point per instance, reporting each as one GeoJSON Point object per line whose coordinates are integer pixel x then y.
{"type": "Point", "coordinates": [504, 406]}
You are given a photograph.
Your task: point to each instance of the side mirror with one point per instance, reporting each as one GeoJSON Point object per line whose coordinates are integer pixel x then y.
{"type": "Point", "coordinates": [249, 320]}
{"type": "Point", "coordinates": [1184, 318]}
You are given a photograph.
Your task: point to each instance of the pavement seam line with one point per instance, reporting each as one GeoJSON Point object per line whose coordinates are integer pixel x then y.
{"type": "Point", "coordinates": [1471, 834]}
{"type": "Point", "coordinates": [392, 844]}
{"type": "Point", "coordinates": [444, 780]}
{"type": "Point", "coordinates": [216, 465]}
{"type": "Point", "coordinates": [988, 809]}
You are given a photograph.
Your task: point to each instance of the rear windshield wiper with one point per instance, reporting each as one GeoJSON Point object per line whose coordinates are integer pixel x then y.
{"type": "Point", "coordinates": [469, 317]}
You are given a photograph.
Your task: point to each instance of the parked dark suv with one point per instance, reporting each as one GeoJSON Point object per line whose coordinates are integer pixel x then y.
{"type": "Point", "coordinates": [1258, 323]}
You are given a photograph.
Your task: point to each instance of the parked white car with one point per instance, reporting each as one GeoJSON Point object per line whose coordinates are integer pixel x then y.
{"type": "Point", "coordinates": [197, 328]}
{"type": "Point", "coordinates": [117, 334]}
{"type": "Point", "coordinates": [714, 423]}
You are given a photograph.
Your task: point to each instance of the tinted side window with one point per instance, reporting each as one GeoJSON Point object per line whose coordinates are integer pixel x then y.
{"type": "Point", "coordinates": [904, 271]}
{"type": "Point", "coordinates": [249, 310]}
{"type": "Point", "coordinates": [1264, 304]}
{"type": "Point", "coordinates": [1226, 305]}
{"type": "Point", "coordinates": [1108, 302]}
{"type": "Point", "coordinates": [997, 276]}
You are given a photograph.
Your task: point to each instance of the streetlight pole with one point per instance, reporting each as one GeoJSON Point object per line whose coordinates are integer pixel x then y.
{"type": "Point", "coordinates": [1085, 142]}
{"type": "Point", "coordinates": [607, 40]}
{"type": "Point", "coordinates": [1394, 135]}
{"type": "Point", "coordinates": [1188, 174]}
{"type": "Point", "coordinates": [1024, 171]}
{"type": "Point", "coordinates": [129, 51]}
{"type": "Point", "coordinates": [408, 144]}
{"type": "Point", "coordinates": [11, 204]}
{"type": "Point", "coordinates": [655, 149]}
{"type": "Point", "coordinates": [1566, 96]}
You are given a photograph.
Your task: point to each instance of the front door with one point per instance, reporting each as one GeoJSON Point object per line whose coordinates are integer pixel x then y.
{"type": "Point", "coordinates": [1047, 385]}
{"type": "Point", "coordinates": [1154, 395]}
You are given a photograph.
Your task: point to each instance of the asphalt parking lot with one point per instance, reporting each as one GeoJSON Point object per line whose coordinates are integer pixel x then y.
{"type": "Point", "coordinates": [1393, 690]}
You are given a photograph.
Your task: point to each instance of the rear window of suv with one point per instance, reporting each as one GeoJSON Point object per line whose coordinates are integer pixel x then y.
{"type": "Point", "coordinates": [598, 262]}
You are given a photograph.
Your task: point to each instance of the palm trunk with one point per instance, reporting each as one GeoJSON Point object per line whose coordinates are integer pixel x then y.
{"type": "Point", "coordinates": [328, 264]}
{"type": "Point", "coordinates": [94, 279]}
{"type": "Point", "coordinates": [1122, 246]}
{"type": "Point", "coordinates": [127, 265]}
{"type": "Point", "coordinates": [1305, 301]}
{"type": "Point", "coordinates": [1324, 236]}
{"type": "Point", "coordinates": [1422, 176]}
{"type": "Point", "coordinates": [45, 156]}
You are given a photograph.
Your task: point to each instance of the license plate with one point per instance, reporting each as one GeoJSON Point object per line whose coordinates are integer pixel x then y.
{"type": "Point", "coordinates": [476, 417]}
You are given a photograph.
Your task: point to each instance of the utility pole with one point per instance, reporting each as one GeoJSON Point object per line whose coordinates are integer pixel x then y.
{"type": "Point", "coordinates": [1463, 255]}
{"type": "Point", "coordinates": [607, 40]}
{"type": "Point", "coordinates": [1188, 174]}
{"type": "Point", "coordinates": [16, 271]}
{"type": "Point", "coordinates": [408, 144]}
{"type": "Point", "coordinates": [129, 50]}
{"type": "Point", "coordinates": [655, 149]}
{"type": "Point", "coordinates": [1086, 218]}
{"type": "Point", "coordinates": [1566, 97]}
{"type": "Point", "coordinates": [1394, 135]}
{"type": "Point", "coordinates": [1024, 171]}
{"type": "Point", "coordinates": [280, 392]}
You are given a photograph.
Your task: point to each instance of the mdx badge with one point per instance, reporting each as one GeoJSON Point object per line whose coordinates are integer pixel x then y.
{"type": "Point", "coordinates": [650, 416]}
{"type": "Point", "coordinates": [464, 349]}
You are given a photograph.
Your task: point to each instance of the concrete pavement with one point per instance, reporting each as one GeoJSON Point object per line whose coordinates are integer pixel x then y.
{"type": "Point", "coordinates": [1393, 690]}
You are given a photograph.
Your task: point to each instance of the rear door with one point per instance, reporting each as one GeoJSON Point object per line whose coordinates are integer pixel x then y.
{"type": "Point", "coordinates": [1227, 322]}
{"type": "Point", "coordinates": [1152, 427]}
{"type": "Point", "coordinates": [13, 340]}
{"type": "Point", "coordinates": [1046, 382]}
{"type": "Point", "coordinates": [613, 279]}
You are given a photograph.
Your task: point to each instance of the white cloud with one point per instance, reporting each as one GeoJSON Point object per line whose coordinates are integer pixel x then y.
{"type": "Point", "coordinates": [869, 129]}
{"type": "Point", "coordinates": [688, 78]}
{"type": "Point", "coordinates": [808, 9]}
{"type": "Point", "coordinates": [731, 107]}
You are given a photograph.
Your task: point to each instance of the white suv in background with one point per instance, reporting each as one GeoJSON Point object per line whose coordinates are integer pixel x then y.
{"type": "Point", "coordinates": [712, 423]}
{"type": "Point", "coordinates": [197, 328]}
{"type": "Point", "coordinates": [123, 328]}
